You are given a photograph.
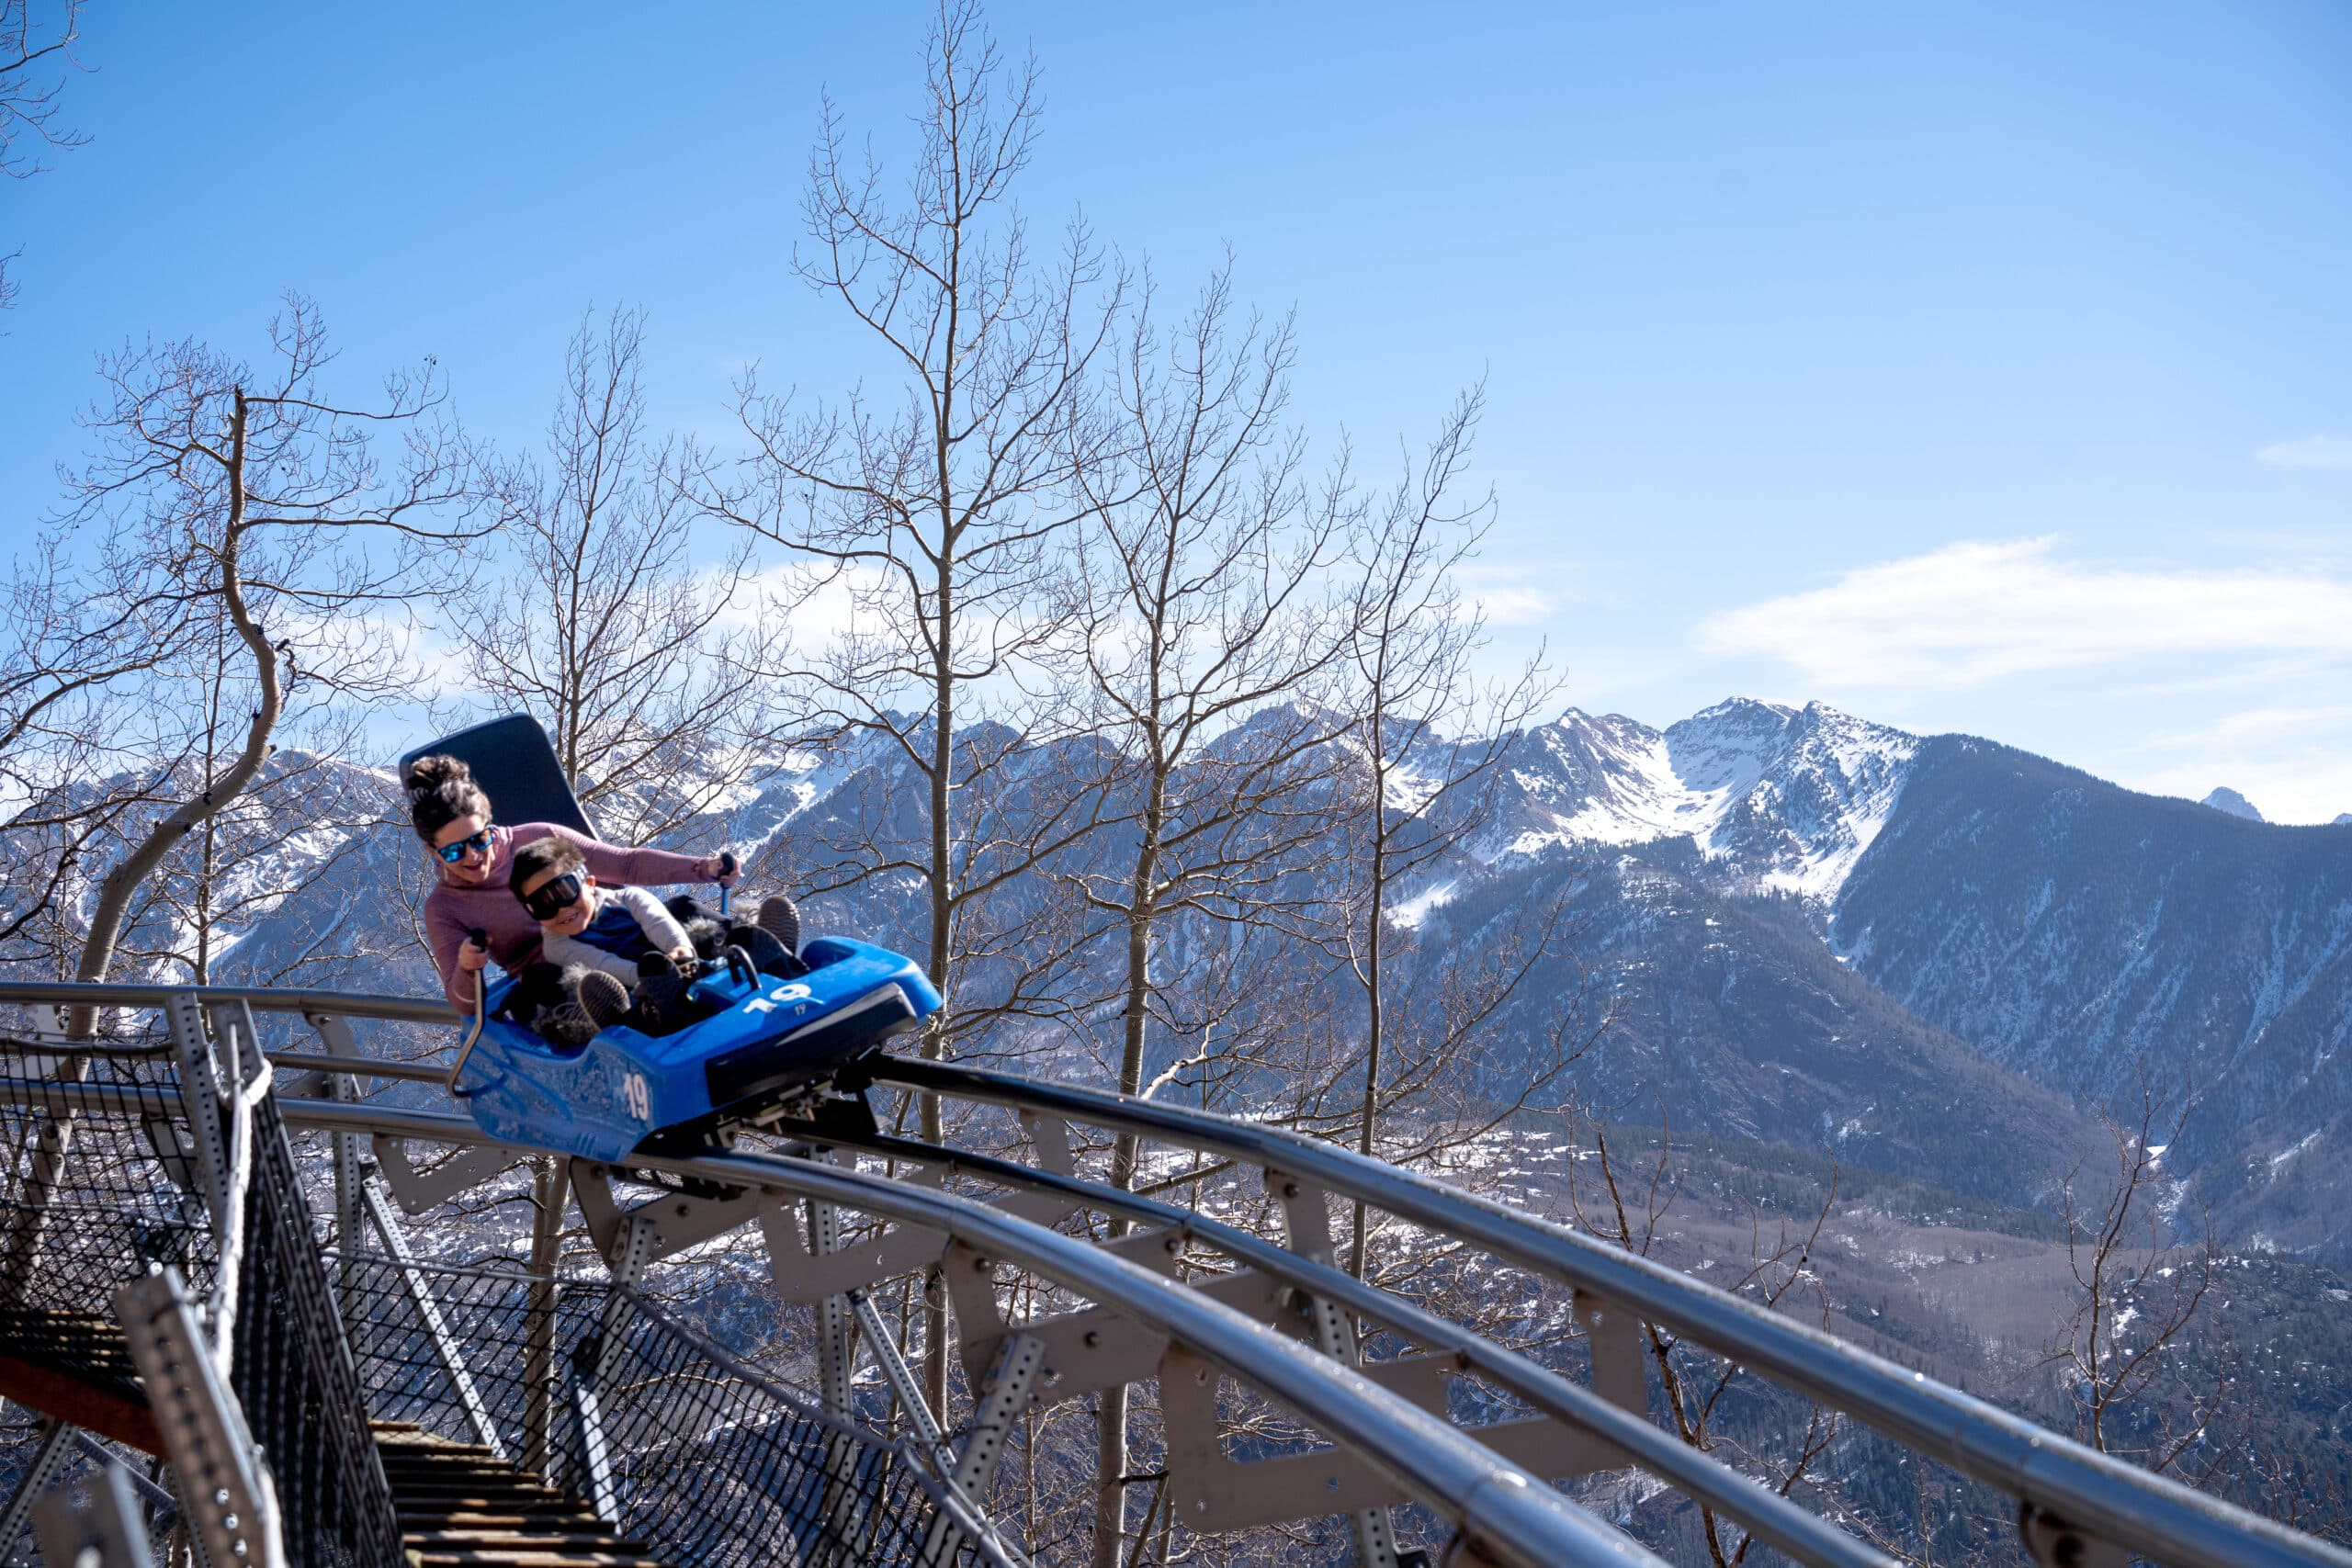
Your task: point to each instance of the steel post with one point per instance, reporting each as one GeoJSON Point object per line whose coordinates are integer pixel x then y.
{"type": "Point", "coordinates": [225, 1494]}
{"type": "Point", "coordinates": [596, 1462]}
{"type": "Point", "coordinates": [350, 1224]}
{"type": "Point", "coordinates": [901, 1379]}
{"type": "Point", "coordinates": [48, 1461]}
{"type": "Point", "coordinates": [1306, 1227]}
{"type": "Point", "coordinates": [836, 1350]}
{"type": "Point", "coordinates": [106, 1534]}
{"type": "Point", "coordinates": [547, 1194]}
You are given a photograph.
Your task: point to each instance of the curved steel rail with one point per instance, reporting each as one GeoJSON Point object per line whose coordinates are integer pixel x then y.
{"type": "Point", "coordinates": [261, 998]}
{"type": "Point", "coordinates": [1489, 1500]}
{"type": "Point", "coordinates": [1762, 1511]}
{"type": "Point", "coordinates": [2129, 1506]}
{"type": "Point", "coordinates": [1771, 1516]}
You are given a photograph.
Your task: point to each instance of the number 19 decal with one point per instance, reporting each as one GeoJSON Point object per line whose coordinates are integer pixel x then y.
{"type": "Point", "coordinates": [641, 1103]}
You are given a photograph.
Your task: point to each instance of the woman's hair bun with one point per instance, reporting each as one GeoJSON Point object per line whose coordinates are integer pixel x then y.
{"type": "Point", "coordinates": [440, 790]}
{"type": "Point", "coordinates": [429, 774]}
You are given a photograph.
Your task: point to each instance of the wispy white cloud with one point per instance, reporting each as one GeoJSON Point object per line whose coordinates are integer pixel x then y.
{"type": "Point", "coordinates": [1520, 591]}
{"type": "Point", "coordinates": [2261, 726]}
{"type": "Point", "coordinates": [1505, 606]}
{"type": "Point", "coordinates": [1979, 611]}
{"type": "Point", "coordinates": [2309, 452]}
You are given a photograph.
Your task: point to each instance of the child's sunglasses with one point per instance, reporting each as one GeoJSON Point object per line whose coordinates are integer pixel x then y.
{"type": "Point", "coordinates": [454, 853]}
{"type": "Point", "coordinates": [552, 898]}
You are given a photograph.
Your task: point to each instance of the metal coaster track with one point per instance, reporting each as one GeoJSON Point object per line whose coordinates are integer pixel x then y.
{"type": "Point", "coordinates": [1432, 1462]}
{"type": "Point", "coordinates": [2076, 1506]}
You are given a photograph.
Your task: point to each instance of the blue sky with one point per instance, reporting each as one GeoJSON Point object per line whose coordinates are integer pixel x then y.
{"type": "Point", "coordinates": [1981, 368]}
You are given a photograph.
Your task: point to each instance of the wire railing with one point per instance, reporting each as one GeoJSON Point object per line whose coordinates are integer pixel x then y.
{"type": "Point", "coordinates": [674, 1441]}
{"type": "Point", "coordinates": [96, 1198]}
{"type": "Point", "coordinates": [295, 1378]}
{"type": "Point", "coordinates": [89, 1200]}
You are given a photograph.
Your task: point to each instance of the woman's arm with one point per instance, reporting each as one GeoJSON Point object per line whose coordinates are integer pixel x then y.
{"type": "Point", "coordinates": [444, 936]}
{"type": "Point", "coordinates": [612, 864]}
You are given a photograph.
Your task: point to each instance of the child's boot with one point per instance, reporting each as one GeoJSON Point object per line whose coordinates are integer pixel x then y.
{"type": "Point", "coordinates": [768, 955]}
{"type": "Point", "coordinates": [604, 998]}
{"type": "Point", "coordinates": [662, 1002]}
{"type": "Point", "coordinates": [780, 918]}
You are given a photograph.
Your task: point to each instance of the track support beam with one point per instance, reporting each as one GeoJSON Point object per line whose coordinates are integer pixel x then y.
{"type": "Point", "coordinates": [50, 1460]}
{"type": "Point", "coordinates": [1306, 1227]}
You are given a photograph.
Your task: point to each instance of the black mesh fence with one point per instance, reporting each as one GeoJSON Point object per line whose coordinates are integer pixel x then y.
{"type": "Point", "coordinates": [594, 1388]}
{"type": "Point", "coordinates": [608, 1396]}
{"type": "Point", "coordinates": [295, 1378]}
{"type": "Point", "coordinates": [100, 1187]}
{"type": "Point", "coordinates": [85, 1203]}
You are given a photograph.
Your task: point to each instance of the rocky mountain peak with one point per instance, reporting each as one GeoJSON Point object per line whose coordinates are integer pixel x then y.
{"type": "Point", "coordinates": [1785, 797]}
{"type": "Point", "coordinates": [2229, 800]}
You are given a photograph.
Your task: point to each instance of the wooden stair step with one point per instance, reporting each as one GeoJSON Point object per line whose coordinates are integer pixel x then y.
{"type": "Point", "coordinates": [497, 1522]}
{"type": "Point", "coordinates": [569, 1508]}
{"type": "Point", "coordinates": [532, 1558]}
{"type": "Point", "coordinates": [508, 1540]}
{"type": "Point", "coordinates": [460, 1507]}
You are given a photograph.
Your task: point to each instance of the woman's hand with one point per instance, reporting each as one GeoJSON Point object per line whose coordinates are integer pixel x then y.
{"type": "Point", "coordinates": [474, 957]}
{"type": "Point", "coordinates": [684, 957]}
{"type": "Point", "coordinates": [727, 871]}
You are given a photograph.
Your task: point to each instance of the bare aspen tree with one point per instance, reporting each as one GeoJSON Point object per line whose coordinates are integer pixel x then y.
{"type": "Point", "coordinates": [1424, 740]}
{"type": "Point", "coordinates": [291, 832]}
{"type": "Point", "coordinates": [1627, 1209]}
{"type": "Point", "coordinates": [72, 768]}
{"type": "Point", "coordinates": [2123, 1351]}
{"type": "Point", "coordinates": [1191, 612]}
{"type": "Point", "coordinates": [934, 506]}
{"type": "Point", "coordinates": [35, 52]}
{"type": "Point", "coordinates": [220, 496]}
{"type": "Point", "coordinates": [600, 622]}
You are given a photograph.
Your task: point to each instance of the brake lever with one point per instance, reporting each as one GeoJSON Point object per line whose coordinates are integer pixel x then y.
{"type": "Point", "coordinates": [480, 939]}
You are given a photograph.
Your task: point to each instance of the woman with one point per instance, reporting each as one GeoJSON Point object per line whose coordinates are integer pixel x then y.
{"type": "Point", "coordinates": [452, 816]}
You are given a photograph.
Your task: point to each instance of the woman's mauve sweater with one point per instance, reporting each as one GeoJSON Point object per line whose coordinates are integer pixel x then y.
{"type": "Point", "coordinates": [452, 910]}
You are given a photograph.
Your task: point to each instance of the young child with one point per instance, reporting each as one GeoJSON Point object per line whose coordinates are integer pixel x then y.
{"type": "Point", "coordinates": [619, 954]}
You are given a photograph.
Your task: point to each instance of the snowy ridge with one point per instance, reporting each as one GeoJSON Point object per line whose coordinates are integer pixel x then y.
{"type": "Point", "coordinates": [1786, 797]}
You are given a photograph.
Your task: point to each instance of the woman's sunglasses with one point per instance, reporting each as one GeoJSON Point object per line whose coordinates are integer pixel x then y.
{"type": "Point", "coordinates": [454, 853]}
{"type": "Point", "coordinates": [551, 899]}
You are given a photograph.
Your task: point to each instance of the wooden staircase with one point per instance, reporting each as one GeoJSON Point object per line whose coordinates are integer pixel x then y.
{"type": "Point", "coordinates": [460, 1507]}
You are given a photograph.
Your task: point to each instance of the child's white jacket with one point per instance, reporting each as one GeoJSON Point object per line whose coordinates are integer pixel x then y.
{"type": "Point", "coordinates": [661, 927]}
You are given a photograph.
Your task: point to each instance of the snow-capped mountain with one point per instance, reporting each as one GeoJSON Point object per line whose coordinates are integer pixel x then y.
{"type": "Point", "coordinates": [2074, 931]}
{"type": "Point", "coordinates": [1780, 799]}
{"type": "Point", "coordinates": [2087, 935]}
